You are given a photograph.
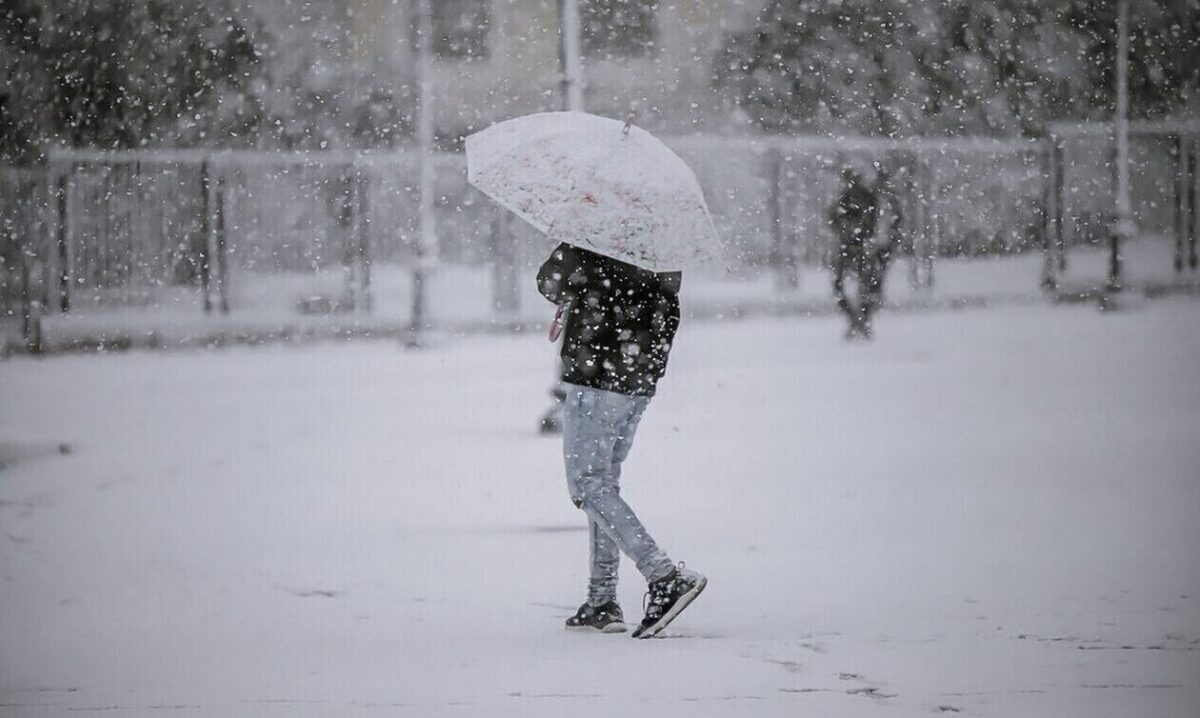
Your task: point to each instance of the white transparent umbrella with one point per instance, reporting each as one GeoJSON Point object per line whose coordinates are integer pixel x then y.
{"type": "Point", "coordinates": [599, 184]}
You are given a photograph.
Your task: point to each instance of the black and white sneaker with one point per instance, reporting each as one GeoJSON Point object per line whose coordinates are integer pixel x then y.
{"type": "Point", "coordinates": [666, 599]}
{"type": "Point", "coordinates": [606, 618]}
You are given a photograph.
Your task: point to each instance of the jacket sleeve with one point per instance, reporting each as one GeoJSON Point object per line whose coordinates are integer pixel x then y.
{"type": "Point", "coordinates": [553, 276]}
{"type": "Point", "coordinates": [670, 282]}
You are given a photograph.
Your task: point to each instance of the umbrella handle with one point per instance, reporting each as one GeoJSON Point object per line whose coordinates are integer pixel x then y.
{"type": "Point", "coordinates": [556, 326]}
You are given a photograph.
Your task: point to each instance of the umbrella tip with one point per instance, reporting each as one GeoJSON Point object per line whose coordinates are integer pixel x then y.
{"type": "Point", "coordinates": [628, 123]}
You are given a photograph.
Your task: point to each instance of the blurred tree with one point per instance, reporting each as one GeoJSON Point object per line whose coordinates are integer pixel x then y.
{"type": "Point", "coordinates": [955, 66]}
{"type": "Point", "coordinates": [318, 99]}
{"type": "Point", "coordinates": [322, 90]}
{"type": "Point", "coordinates": [1003, 68]}
{"type": "Point", "coordinates": [852, 66]}
{"type": "Point", "coordinates": [619, 28]}
{"type": "Point", "coordinates": [117, 74]}
{"type": "Point", "coordinates": [126, 73]}
{"type": "Point", "coordinates": [1164, 54]}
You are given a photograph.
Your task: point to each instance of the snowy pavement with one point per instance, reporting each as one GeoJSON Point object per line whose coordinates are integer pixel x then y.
{"type": "Point", "coordinates": [983, 513]}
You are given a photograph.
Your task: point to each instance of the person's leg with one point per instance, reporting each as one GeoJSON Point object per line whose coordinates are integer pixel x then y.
{"type": "Point", "coordinates": [604, 561]}
{"type": "Point", "coordinates": [846, 262]}
{"type": "Point", "coordinates": [841, 262]}
{"type": "Point", "coordinates": [864, 271]}
{"type": "Point", "coordinates": [874, 295]}
{"type": "Point", "coordinates": [605, 555]}
{"type": "Point", "coordinates": [595, 422]}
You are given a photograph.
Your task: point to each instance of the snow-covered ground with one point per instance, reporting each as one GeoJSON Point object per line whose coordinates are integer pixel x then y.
{"type": "Point", "coordinates": [984, 512]}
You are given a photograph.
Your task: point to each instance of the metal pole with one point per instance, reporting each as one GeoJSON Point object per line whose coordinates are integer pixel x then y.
{"type": "Point", "coordinates": [934, 237]}
{"type": "Point", "coordinates": [106, 250]}
{"type": "Point", "coordinates": [920, 225]}
{"type": "Point", "coordinates": [63, 254]}
{"type": "Point", "coordinates": [773, 163]}
{"type": "Point", "coordinates": [506, 295]}
{"type": "Point", "coordinates": [1060, 198]}
{"type": "Point", "coordinates": [222, 253]}
{"type": "Point", "coordinates": [1182, 198]}
{"type": "Point", "coordinates": [1192, 189]}
{"type": "Point", "coordinates": [426, 234]}
{"type": "Point", "coordinates": [1124, 228]}
{"type": "Point", "coordinates": [206, 237]}
{"type": "Point", "coordinates": [570, 64]}
{"type": "Point", "coordinates": [26, 256]}
{"type": "Point", "coordinates": [362, 239]}
{"type": "Point", "coordinates": [570, 58]}
{"type": "Point", "coordinates": [1049, 278]}
{"type": "Point", "coordinates": [348, 222]}
{"type": "Point", "coordinates": [31, 327]}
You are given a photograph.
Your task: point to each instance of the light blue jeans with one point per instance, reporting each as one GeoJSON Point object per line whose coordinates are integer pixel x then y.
{"type": "Point", "coordinates": [598, 429]}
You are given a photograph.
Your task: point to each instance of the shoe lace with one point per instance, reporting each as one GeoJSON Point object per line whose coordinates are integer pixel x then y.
{"type": "Point", "coordinates": [646, 597]}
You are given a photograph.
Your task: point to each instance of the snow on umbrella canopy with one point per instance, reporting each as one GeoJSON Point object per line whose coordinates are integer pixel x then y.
{"type": "Point", "coordinates": [596, 183]}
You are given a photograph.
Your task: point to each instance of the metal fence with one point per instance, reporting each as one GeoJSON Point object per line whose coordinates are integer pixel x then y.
{"type": "Point", "coordinates": [1081, 168]}
{"type": "Point", "coordinates": [202, 229]}
{"type": "Point", "coordinates": [958, 197]}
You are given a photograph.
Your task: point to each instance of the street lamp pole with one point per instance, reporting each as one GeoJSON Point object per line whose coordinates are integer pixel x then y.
{"type": "Point", "coordinates": [570, 60]}
{"type": "Point", "coordinates": [424, 244]}
{"type": "Point", "coordinates": [1125, 227]}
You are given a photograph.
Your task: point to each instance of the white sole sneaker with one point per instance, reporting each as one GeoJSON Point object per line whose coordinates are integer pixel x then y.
{"type": "Point", "coordinates": [684, 601]}
{"type": "Point", "coordinates": [615, 627]}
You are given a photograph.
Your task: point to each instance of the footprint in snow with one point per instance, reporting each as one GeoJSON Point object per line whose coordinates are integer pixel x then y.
{"type": "Point", "coordinates": [310, 592]}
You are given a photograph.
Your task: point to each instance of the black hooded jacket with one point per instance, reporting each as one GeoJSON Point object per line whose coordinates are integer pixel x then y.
{"type": "Point", "coordinates": [619, 321]}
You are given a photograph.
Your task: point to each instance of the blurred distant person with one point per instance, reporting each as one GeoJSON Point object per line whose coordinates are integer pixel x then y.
{"type": "Point", "coordinates": [551, 421]}
{"type": "Point", "coordinates": [853, 219]}
{"type": "Point", "coordinates": [618, 323]}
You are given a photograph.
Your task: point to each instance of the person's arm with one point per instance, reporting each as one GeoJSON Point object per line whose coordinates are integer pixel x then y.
{"type": "Point", "coordinates": [554, 275]}
{"type": "Point", "coordinates": [670, 282]}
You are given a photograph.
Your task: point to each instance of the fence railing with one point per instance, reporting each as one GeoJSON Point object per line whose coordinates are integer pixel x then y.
{"type": "Point", "coordinates": [1081, 173]}
{"type": "Point", "coordinates": [160, 228]}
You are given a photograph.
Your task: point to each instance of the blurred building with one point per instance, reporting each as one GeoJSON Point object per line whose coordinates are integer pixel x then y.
{"type": "Point", "coordinates": [496, 59]}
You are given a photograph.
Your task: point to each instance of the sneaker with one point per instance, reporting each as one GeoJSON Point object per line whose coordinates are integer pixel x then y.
{"type": "Point", "coordinates": [606, 618]}
{"type": "Point", "coordinates": [667, 598]}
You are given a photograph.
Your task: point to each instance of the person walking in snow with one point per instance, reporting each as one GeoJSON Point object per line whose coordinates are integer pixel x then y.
{"type": "Point", "coordinates": [618, 322]}
{"type": "Point", "coordinates": [852, 218]}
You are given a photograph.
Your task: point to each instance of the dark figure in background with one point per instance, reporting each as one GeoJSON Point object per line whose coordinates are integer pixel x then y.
{"type": "Point", "coordinates": [853, 220]}
{"type": "Point", "coordinates": [864, 246]}
{"type": "Point", "coordinates": [551, 421]}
